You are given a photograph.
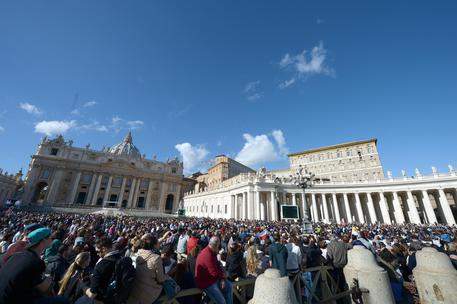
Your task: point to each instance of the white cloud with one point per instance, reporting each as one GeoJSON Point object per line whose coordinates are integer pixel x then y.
{"type": "Point", "coordinates": [259, 149]}
{"type": "Point", "coordinates": [219, 143]}
{"type": "Point", "coordinates": [135, 124]}
{"type": "Point", "coordinates": [251, 90]}
{"type": "Point", "coordinates": [30, 108]}
{"type": "Point", "coordinates": [75, 112]}
{"type": "Point", "coordinates": [320, 21]}
{"type": "Point", "coordinates": [193, 156]}
{"type": "Point", "coordinates": [281, 142]}
{"type": "Point", "coordinates": [93, 126]}
{"type": "Point", "coordinates": [306, 64]}
{"type": "Point", "coordinates": [89, 104]}
{"type": "Point", "coordinates": [2, 129]}
{"type": "Point", "coordinates": [54, 127]}
{"type": "Point", "coordinates": [118, 124]}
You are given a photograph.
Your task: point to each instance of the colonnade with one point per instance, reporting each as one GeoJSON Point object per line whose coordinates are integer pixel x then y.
{"type": "Point", "coordinates": [420, 206]}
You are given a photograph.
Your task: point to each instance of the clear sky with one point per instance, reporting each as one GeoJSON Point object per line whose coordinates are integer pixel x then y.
{"type": "Point", "coordinates": [251, 79]}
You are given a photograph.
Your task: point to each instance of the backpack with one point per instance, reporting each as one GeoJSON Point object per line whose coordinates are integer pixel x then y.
{"type": "Point", "coordinates": [119, 289]}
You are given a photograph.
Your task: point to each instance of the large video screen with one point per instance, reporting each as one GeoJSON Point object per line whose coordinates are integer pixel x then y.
{"type": "Point", "coordinates": [289, 212]}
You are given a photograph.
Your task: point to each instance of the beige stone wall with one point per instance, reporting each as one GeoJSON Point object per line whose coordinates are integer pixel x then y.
{"type": "Point", "coordinates": [223, 168]}
{"type": "Point", "coordinates": [354, 161]}
{"type": "Point", "coordinates": [8, 186]}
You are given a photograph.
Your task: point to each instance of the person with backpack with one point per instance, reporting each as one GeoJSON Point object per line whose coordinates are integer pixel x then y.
{"type": "Point", "coordinates": [112, 276]}
{"type": "Point", "coordinates": [57, 265]}
{"type": "Point", "coordinates": [147, 285]}
{"type": "Point", "coordinates": [75, 277]}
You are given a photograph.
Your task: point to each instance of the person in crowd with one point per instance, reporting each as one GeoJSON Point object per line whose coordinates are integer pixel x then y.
{"type": "Point", "coordinates": [150, 275]}
{"type": "Point", "coordinates": [253, 262]}
{"type": "Point", "coordinates": [278, 255]}
{"type": "Point", "coordinates": [169, 263]}
{"type": "Point", "coordinates": [193, 241]}
{"type": "Point", "coordinates": [22, 276]}
{"type": "Point", "coordinates": [192, 258]}
{"type": "Point", "coordinates": [210, 276]}
{"type": "Point", "coordinates": [235, 262]}
{"type": "Point", "coordinates": [75, 278]}
{"type": "Point", "coordinates": [103, 271]}
{"type": "Point", "coordinates": [337, 257]}
{"type": "Point", "coordinates": [181, 248]}
{"type": "Point", "coordinates": [293, 256]}
{"type": "Point", "coordinates": [56, 265]}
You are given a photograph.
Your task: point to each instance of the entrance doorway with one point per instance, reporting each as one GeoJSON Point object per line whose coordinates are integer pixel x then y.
{"type": "Point", "coordinates": [40, 192]}
{"type": "Point", "coordinates": [169, 203]}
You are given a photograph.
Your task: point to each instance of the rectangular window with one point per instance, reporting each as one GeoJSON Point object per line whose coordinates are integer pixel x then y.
{"type": "Point", "coordinates": [54, 151]}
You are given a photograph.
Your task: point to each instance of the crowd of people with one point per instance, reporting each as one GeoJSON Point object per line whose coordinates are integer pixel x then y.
{"type": "Point", "coordinates": [76, 258]}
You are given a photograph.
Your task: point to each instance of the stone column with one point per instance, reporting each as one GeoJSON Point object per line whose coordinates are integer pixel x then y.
{"type": "Point", "coordinates": [54, 188]}
{"type": "Point", "coordinates": [107, 190]}
{"type": "Point", "coordinates": [362, 266]}
{"type": "Point", "coordinates": [137, 191]}
{"type": "Point", "coordinates": [399, 217]}
{"type": "Point", "coordinates": [324, 203]}
{"type": "Point", "coordinates": [304, 204]}
{"type": "Point", "coordinates": [244, 205]}
{"type": "Point", "coordinates": [149, 194]}
{"type": "Point", "coordinates": [284, 198]}
{"type": "Point", "coordinates": [121, 192]}
{"type": "Point", "coordinates": [75, 188]}
{"type": "Point", "coordinates": [131, 192]}
{"type": "Point", "coordinates": [384, 209]}
{"type": "Point", "coordinates": [314, 204]}
{"type": "Point", "coordinates": [347, 208]}
{"type": "Point", "coordinates": [90, 192]}
{"type": "Point", "coordinates": [235, 198]}
{"type": "Point", "coordinates": [435, 277]}
{"type": "Point", "coordinates": [413, 214]}
{"type": "Point", "coordinates": [336, 208]}
{"type": "Point", "coordinates": [249, 205]}
{"type": "Point", "coordinates": [259, 214]}
{"type": "Point", "coordinates": [162, 198]}
{"type": "Point", "coordinates": [446, 208]}
{"type": "Point", "coordinates": [428, 208]}
{"type": "Point", "coordinates": [273, 206]}
{"type": "Point", "coordinates": [294, 199]}
{"type": "Point", "coordinates": [97, 189]}
{"type": "Point", "coordinates": [371, 209]}
{"type": "Point", "coordinates": [358, 206]}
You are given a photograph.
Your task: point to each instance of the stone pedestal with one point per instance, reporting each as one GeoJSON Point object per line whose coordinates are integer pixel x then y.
{"type": "Point", "coordinates": [270, 288]}
{"type": "Point", "coordinates": [436, 278]}
{"type": "Point", "coordinates": [363, 267]}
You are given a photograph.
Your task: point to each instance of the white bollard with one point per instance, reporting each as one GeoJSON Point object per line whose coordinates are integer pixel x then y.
{"type": "Point", "coordinates": [363, 267]}
{"type": "Point", "coordinates": [271, 288]}
{"type": "Point", "coordinates": [436, 278]}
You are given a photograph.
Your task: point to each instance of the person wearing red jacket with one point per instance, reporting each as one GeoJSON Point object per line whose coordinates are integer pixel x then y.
{"type": "Point", "coordinates": [210, 276]}
{"type": "Point", "coordinates": [192, 242]}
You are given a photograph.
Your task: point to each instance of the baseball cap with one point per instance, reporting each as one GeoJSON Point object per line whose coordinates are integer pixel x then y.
{"type": "Point", "coordinates": [38, 235]}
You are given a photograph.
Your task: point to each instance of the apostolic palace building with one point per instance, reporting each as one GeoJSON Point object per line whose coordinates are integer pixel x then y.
{"type": "Point", "coordinates": [349, 186]}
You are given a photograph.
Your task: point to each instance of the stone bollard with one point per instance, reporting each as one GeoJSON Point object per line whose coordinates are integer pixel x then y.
{"type": "Point", "coordinates": [270, 288]}
{"type": "Point", "coordinates": [363, 267]}
{"type": "Point", "coordinates": [436, 278]}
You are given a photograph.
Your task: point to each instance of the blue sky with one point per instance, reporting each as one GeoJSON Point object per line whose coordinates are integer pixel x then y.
{"type": "Point", "coordinates": [251, 79]}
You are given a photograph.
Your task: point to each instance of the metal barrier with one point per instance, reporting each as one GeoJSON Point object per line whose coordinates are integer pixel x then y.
{"type": "Point", "coordinates": [323, 289]}
{"type": "Point", "coordinates": [239, 293]}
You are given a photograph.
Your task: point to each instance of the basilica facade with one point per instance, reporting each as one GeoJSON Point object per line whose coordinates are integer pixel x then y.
{"type": "Point", "coordinates": [118, 176]}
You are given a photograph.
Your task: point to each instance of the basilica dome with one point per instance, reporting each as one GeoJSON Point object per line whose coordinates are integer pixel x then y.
{"type": "Point", "coordinates": [126, 148]}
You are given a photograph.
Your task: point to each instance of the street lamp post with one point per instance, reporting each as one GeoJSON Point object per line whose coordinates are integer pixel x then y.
{"type": "Point", "coordinates": [303, 179]}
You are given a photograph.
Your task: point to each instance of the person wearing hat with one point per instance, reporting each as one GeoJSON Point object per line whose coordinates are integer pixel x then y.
{"type": "Point", "coordinates": [23, 279]}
